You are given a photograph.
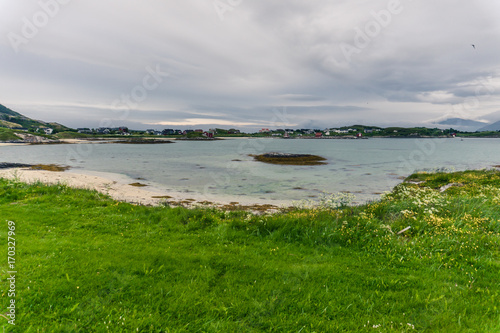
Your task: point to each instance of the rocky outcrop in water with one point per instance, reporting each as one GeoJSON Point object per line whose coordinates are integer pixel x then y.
{"type": "Point", "coordinates": [290, 159]}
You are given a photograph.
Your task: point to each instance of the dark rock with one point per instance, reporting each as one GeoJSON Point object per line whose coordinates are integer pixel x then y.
{"type": "Point", "coordinates": [290, 159]}
{"type": "Point", "coordinates": [5, 165]}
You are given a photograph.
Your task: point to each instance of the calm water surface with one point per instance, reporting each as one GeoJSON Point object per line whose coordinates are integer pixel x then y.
{"type": "Point", "coordinates": [223, 169]}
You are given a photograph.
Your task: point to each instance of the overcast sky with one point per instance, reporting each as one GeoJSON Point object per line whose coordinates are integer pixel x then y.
{"type": "Point", "coordinates": [250, 63]}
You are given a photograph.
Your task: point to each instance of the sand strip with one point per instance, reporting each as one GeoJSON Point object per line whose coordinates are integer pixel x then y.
{"type": "Point", "coordinates": [118, 187]}
{"type": "Point", "coordinates": [113, 188]}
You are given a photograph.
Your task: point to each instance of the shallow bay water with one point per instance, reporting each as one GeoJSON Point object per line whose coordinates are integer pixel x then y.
{"type": "Point", "coordinates": [224, 170]}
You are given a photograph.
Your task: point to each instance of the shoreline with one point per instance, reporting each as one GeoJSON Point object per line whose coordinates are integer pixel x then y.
{"type": "Point", "coordinates": [98, 140]}
{"type": "Point", "coordinates": [119, 188]}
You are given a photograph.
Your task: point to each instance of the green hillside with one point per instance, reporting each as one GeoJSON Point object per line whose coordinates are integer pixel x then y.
{"type": "Point", "coordinates": [7, 134]}
{"type": "Point", "coordinates": [12, 119]}
{"type": "Point", "coordinates": [7, 111]}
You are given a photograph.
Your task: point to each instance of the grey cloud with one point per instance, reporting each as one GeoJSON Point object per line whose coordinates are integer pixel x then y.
{"type": "Point", "coordinates": [264, 54]}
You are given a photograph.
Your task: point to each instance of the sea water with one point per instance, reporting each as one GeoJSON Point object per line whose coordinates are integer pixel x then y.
{"type": "Point", "coordinates": [224, 169]}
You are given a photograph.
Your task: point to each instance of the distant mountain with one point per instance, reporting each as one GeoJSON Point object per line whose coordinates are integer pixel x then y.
{"type": "Point", "coordinates": [461, 122]}
{"type": "Point", "coordinates": [492, 117]}
{"type": "Point", "coordinates": [491, 127]}
{"type": "Point", "coordinates": [466, 125]}
{"type": "Point", "coordinates": [13, 119]}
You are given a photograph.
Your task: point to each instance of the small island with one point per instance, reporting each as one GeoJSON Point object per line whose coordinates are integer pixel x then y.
{"type": "Point", "coordinates": [290, 159]}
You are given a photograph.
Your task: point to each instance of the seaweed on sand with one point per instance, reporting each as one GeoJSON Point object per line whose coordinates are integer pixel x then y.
{"type": "Point", "coordinates": [49, 167]}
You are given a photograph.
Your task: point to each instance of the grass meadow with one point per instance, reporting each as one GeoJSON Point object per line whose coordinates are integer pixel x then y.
{"type": "Point", "coordinates": [87, 263]}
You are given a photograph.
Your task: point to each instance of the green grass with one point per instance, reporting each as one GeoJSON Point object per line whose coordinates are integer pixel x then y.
{"type": "Point", "coordinates": [87, 263]}
{"type": "Point", "coordinates": [7, 134]}
{"type": "Point", "coordinates": [71, 135]}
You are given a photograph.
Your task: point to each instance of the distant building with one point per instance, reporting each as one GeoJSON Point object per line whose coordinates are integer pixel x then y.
{"type": "Point", "coordinates": [48, 131]}
{"type": "Point", "coordinates": [104, 130]}
{"type": "Point", "coordinates": [168, 131]}
{"type": "Point", "coordinates": [84, 130]}
{"type": "Point", "coordinates": [318, 134]}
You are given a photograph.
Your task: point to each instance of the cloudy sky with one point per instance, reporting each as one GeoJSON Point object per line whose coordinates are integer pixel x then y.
{"type": "Point", "coordinates": [250, 63]}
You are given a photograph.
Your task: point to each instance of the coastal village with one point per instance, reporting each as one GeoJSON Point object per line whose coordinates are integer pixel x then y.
{"type": "Point", "coordinates": [15, 127]}
{"type": "Point", "coordinates": [356, 131]}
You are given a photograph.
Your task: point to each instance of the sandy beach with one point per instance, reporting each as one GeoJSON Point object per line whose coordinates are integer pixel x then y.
{"type": "Point", "coordinates": [113, 188]}
{"type": "Point", "coordinates": [4, 144]}
{"type": "Point", "coordinates": [62, 141]}
{"type": "Point", "coordinates": [119, 188]}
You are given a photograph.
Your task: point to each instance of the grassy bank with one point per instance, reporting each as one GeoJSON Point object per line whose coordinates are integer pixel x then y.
{"type": "Point", "coordinates": [86, 263]}
{"type": "Point", "coordinates": [7, 134]}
